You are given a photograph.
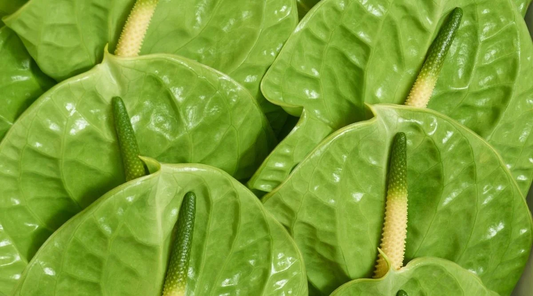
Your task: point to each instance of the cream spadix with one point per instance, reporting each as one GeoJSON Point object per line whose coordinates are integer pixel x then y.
{"type": "Point", "coordinates": [132, 36]}
{"type": "Point", "coordinates": [395, 225]}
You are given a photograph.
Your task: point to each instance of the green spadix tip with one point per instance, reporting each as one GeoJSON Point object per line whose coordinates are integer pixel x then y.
{"type": "Point", "coordinates": [429, 74]}
{"type": "Point", "coordinates": [176, 277]}
{"type": "Point", "coordinates": [129, 149]}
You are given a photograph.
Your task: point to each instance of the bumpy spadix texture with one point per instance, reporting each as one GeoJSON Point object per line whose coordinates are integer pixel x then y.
{"type": "Point", "coordinates": [129, 148]}
{"type": "Point", "coordinates": [429, 74]}
{"type": "Point", "coordinates": [176, 278]}
{"type": "Point", "coordinates": [395, 226]}
{"type": "Point", "coordinates": [132, 37]}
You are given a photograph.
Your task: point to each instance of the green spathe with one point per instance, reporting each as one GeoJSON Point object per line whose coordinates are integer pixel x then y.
{"type": "Point", "coordinates": [346, 52]}
{"type": "Point", "coordinates": [181, 111]}
{"type": "Point", "coordinates": [333, 202]}
{"type": "Point", "coordinates": [238, 37]}
{"type": "Point", "coordinates": [120, 244]}
{"type": "Point", "coordinates": [423, 276]}
{"type": "Point", "coordinates": [305, 5]}
{"type": "Point", "coordinates": [21, 81]}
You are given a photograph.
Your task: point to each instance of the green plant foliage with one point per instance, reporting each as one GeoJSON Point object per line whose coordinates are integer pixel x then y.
{"type": "Point", "coordinates": [522, 5]}
{"type": "Point", "coordinates": [423, 276]}
{"type": "Point", "coordinates": [62, 153]}
{"type": "Point", "coordinates": [240, 38]}
{"type": "Point", "coordinates": [347, 52]}
{"type": "Point", "coordinates": [21, 81]}
{"type": "Point", "coordinates": [68, 37]}
{"type": "Point", "coordinates": [120, 244]}
{"type": "Point", "coordinates": [464, 205]}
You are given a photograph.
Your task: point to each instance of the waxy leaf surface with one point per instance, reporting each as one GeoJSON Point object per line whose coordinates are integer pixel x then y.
{"type": "Point", "coordinates": [120, 244]}
{"type": "Point", "coordinates": [238, 37]}
{"type": "Point", "coordinates": [62, 153]}
{"type": "Point", "coordinates": [522, 5]}
{"type": "Point", "coordinates": [423, 276]}
{"type": "Point", "coordinates": [346, 52]}
{"type": "Point", "coordinates": [68, 37]}
{"type": "Point", "coordinates": [21, 81]}
{"type": "Point", "coordinates": [464, 205]}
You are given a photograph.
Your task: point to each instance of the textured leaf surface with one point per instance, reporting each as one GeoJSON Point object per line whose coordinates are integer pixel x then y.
{"type": "Point", "coordinates": [21, 81]}
{"type": "Point", "coordinates": [120, 245]}
{"type": "Point", "coordinates": [240, 38]}
{"type": "Point", "coordinates": [424, 276]}
{"type": "Point", "coordinates": [464, 205]}
{"type": "Point", "coordinates": [349, 51]}
{"type": "Point", "coordinates": [305, 5]}
{"type": "Point", "coordinates": [68, 37]}
{"type": "Point", "coordinates": [62, 153]}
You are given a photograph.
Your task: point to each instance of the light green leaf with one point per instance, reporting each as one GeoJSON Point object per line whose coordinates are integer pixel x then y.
{"type": "Point", "coordinates": [68, 37]}
{"type": "Point", "coordinates": [349, 51]}
{"type": "Point", "coordinates": [522, 5]}
{"type": "Point", "coordinates": [239, 38]}
{"type": "Point", "coordinates": [423, 276]}
{"type": "Point", "coordinates": [62, 153]}
{"type": "Point", "coordinates": [120, 245]}
{"type": "Point", "coordinates": [21, 81]}
{"type": "Point", "coordinates": [464, 205]}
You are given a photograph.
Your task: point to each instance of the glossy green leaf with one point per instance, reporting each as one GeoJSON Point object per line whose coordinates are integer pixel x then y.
{"type": "Point", "coordinates": [349, 51]}
{"type": "Point", "coordinates": [63, 153]}
{"type": "Point", "coordinates": [464, 205]}
{"type": "Point", "coordinates": [120, 245]}
{"type": "Point", "coordinates": [239, 38]}
{"type": "Point", "coordinates": [68, 37]}
{"type": "Point", "coordinates": [21, 81]}
{"type": "Point", "coordinates": [522, 5]}
{"type": "Point", "coordinates": [424, 276]}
